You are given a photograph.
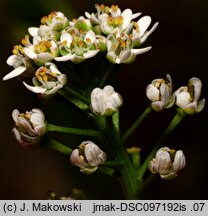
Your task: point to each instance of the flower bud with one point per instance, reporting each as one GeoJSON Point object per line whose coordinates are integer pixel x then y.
{"type": "Point", "coordinates": [167, 163]}
{"type": "Point", "coordinates": [162, 161]}
{"type": "Point", "coordinates": [88, 156]}
{"type": "Point", "coordinates": [160, 93]}
{"type": "Point", "coordinates": [187, 97]}
{"type": "Point", "coordinates": [30, 127]}
{"type": "Point", "coordinates": [105, 101]}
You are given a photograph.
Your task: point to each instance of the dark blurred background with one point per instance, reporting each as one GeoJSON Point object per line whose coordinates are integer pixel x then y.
{"type": "Point", "coordinates": [179, 48]}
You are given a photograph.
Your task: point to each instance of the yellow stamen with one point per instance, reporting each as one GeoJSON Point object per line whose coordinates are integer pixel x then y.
{"type": "Point", "coordinates": [114, 7]}
{"type": "Point", "coordinates": [88, 40]}
{"type": "Point", "coordinates": [27, 115]}
{"type": "Point", "coordinates": [64, 43]}
{"type": "Point", "coordinates": [81, 43]}
{"type": "Point", "coordinates": [44, 20]}
{"type": "Point", "coordinates": [102, 7]}
{"type": "Point", "coordinates": [53, 74]}
{"type": "Point", "coordinates": [45, 78]}
{"type": "Point", "coordinates": [25, 40]}
{"type": "Point", "coordinates": [81, 157]}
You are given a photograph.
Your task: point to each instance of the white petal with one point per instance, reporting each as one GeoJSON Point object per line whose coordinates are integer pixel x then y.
{"type": "Point", "coordinates": [77, 59]}
{"type": "Point", "coordinates": [64, 58]}
{"type": "Point", "coordinates": [33, 31]}
{"type": "Point", "coordinates": [29, 51]}
{"type": "Point", "coordinates": [134, 16]}
{"type": "Point", "coordinates": [66, 37]}
{"type": "Point", "coordinates": [200, 105]}
{"type": "Point", "coordinates": [62, 79]}
{"type": "Point", "coordinates": [111, 57]}
{"type": "Point", "coordinates": [15, 114]}
{"type": "Point", "coordinates": [179, 161]}
{"type": "Point", "coordinates": [15, 72]}
{"type": "Point", "coordinates": [183, 99]}
{"type": "Point", "coordinates": [140, 51]}
{"type": "Point", "coordinates": [87, 15]}
{"type": "Point", "coordinates": [90, 53]}
{"type": "Point", "coordinates": [125, 55]}
{"type": "Point", "coordinates": [197, 84]}
{"type": "Point", "coordinates": [43, 30]}
{"type": "Point", "coordinates": [53, 67]}
{"type": "Point", "coordinates": [17, 135]}
{"type": "Point", "coordinates": [108, 91]}
{"type": "Point", "coordinates": [108, 44]}
{"type": "Point", "coordinates": [13, 60]}
{"type": "Point", "coordinates": [34, 89]}
{"type": "Point", "coordinates": [76, 160]}
{"type": "Point", "coordinates": [44, 57]}
{"type": "Point", "coordinates": [157, 106]}
{"type": "Point", "coordinates": [143, 24]}
{"type": "Point", "coordinates": [127, 17]}
{"type": "Point", "coordinates": [146, 35]}
{"type": "Point", "coordinates": [152, 92]}
{"type": "Point", "coordinates": [91, 35]}
{"type": "Point", "coordinates": [37, 119]}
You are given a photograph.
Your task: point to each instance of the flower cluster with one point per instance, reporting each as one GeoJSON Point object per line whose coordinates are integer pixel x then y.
{"type": "Point", "coordinates": [167, 162]}
{"type": "Point", "coordinates": [186, 97]}
{"type": "Point", "coordinates": [38, 62]}
{"type": "Point", "coordinates": [59, 39]}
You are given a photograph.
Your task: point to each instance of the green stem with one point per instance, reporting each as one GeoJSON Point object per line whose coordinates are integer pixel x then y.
{"type": "Point", "coordinates": [113, 163]}
{"type": "Point", "coordinates": [106, 75]}
{"type": "Point", "coordinates": [134, 126]}
{"type": "Point", "coordinates": [77, 103]}
{"type": "Point", "coordinates": [60, 147]}
{"type": "Point", "coordinates": [148, 182]}
{"type": "Point", "coordinates": [175, 121]}
{"type": "Point", "coordinates": [77, 95]}
{"type": "Point", "coordinates": [77, 131]}
{"type": "Point", "coordinates": [128, 175]}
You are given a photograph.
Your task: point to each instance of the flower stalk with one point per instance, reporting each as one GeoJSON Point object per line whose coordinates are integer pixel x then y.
{"type": "Point", "coordinates": [76, 131]}
{"type": "Point", "coordinates": [136, 124]}
{"type": "Point", "coordinates": [59, 147]}
{"type": "Point", "coordinates": [175, 121]}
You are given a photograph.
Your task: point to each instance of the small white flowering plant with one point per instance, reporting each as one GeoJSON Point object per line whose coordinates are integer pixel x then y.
{"type": "Point", "coordinates": [75, 60]}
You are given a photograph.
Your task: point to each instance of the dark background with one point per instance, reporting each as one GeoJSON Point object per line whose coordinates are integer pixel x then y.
{"type": "Point", "coordinates": [179, 48]}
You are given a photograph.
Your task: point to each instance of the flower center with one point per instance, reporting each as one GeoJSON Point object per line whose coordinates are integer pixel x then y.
{"type": "Point", "coordinates": [114, 21]}
{"type": "Point", "coordinates": [42, 47]}
{"type": "Point", "coordinates": [121, 43]}
{"type": "Point", "coordinates": [44, 74]}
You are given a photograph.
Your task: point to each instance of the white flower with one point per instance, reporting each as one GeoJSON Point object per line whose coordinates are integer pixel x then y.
{"type": "Point", "coordinates": [76, 45]}
{"type": "Point", "coordinates": [81, 24]}
{"type": "Point", "coordinates": [19, 61]}
{"type": "Point", "coordinates": [139, 32]}
{"type": "Point", "coordinates": [105, 101]}
{"type": "Point", "coordinates": [111, 19]}
{"type": "Point", "coordinates": [120, 48]}
{"type": "Point", "coordinates": [88, 156]}
{"type": "Point", "coordinates": [160, 93]}
{"type": "Point", "coordinates": [42, 50]}
{"type": "Point", "coordinates": [48, 80]}
{"type": "Point", "coordinates": [167, 162]}
{"type": "Point", "coordinates": [51, 25]}
{"type": "Point", "coordinates": [187, 97]}
{"type": "Point", "coordinates": [30, 127]}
